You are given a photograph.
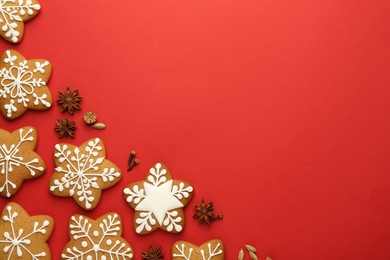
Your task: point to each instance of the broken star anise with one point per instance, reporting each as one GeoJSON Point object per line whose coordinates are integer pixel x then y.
{"type": "Point", "coordinates": [152, 254]}
{"type": "Point", "coordinates": [69, 100]}
{"type": "Point", "coordinates": [205, 213]}
{"type": "Point", "coordinates": [65, 128]}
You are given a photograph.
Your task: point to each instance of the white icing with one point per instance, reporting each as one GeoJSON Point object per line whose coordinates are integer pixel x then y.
{"type": "Point", "coordinates": [89, 247]}
{"type": "Point", "coordinates": [11, 11]}
{"type": "Point", "coordinates": [41, 66]}
{"type": "Point", "coordinates": [81, 171]}
{"type": "Point", "coordinates": [19, 83]}
{"type": "Point", "coordinates": [10, 161]}
{"type": "Point", "coordinates": [16, 243]}
{"type": "Point", "coordinates": [182, 252]}
{"type": "Point", "coordinates": [159, 200]}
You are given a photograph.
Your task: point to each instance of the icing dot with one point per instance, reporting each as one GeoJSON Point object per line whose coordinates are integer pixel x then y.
{"type": "Point", "coordinates": [109, 242]}
{"type": "Point", "coordinates": [103, 257]}
{"type": "Point", "coordinates": [84, 244]}
{"type": "Point", "coordinates": [96, 233]}
{"type": "Point", "coordinates": [89, 257]}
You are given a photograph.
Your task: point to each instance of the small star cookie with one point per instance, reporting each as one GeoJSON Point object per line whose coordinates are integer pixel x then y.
{"type": "Point", "coordinates": [158, 201]}
{"type": "Point", "coordinates": [23, 84]}
{"type": "Point", "coordinates": [18, 161]}
{"type": "Point", "coordinates": [211, 250]}
{"type": "Point", "coordinates": [83, 172]}
{"type": "Point", "coordinates": [13, 15]}
{"type": "Point", "coordinates": [22, 236]}
{"type": "Point", "coordinates": [96, 239]}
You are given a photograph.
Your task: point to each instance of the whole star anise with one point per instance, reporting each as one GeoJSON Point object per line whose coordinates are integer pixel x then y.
{"type": "Point", "coordinates": [65, 128]}
{"type": "Point", "coordinates": [152, 254]}
{"type": "Point", "coordinates": [69, 100]}
{"type": "Point", "coordinates": [205, 213]}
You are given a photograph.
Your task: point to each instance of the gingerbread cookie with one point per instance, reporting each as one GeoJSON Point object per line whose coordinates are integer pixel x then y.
{"type": "Point", "coordinates": [22, 236]}
{"type": "Point", "coordinates": [158, 201]}
{"type": "Point", "coordinates": [83, 172]}
{"type": "Point", "coordinates": [211, 250]}
{"type": "Point", "coordinates": [18, 161]}
{"type": "Point", "coordinates": [96, 239]}
{"type": "Point", "coordinates": [23, 84]}
{"type": "Point", "coordinates": [13, 15]}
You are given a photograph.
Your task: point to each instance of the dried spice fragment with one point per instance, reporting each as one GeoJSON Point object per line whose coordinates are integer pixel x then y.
{"type": "Point", "coordinates": [65, 128]}
{"type": "Point", "coordinates": [152, 254]}
{"type": "Point", "coordinates": [205, 213]}
{"type": "Point", "coordinates": [90, 118]}
{"type": "Point", "coordinates": [69, 100]}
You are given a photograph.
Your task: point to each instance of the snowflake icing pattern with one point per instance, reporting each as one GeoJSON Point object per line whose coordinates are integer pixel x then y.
{"type": "Point", "coordinates": [23, 84]}
{"type": "Point", "coordinates": [13, 14]}
{"type": "Point", "coordinates": [22, 235]}
{"type": "Point", "coordinates": [83, 172]}
{"type": "Point", "coordinates": [100, 239]}
{"type": "Point", "coordinates": [204, 252]}
{"type": "Point", "coordinates": [158, 201]}
{"type": "Point", "coordinates": [13, 166]}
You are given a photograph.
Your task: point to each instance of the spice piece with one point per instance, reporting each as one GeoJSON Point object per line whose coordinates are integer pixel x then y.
{"type": "Point", "coordinates": [152, 254]}
{"type": "Point", "coordinates": [130, 163]}
{"type": "Point", "coordinates": [65, 128]}
{"type": "Point", "coordinates": [205, 213]}
{"type": "Point", "coordinates": [241, 255]}
{"type": "Point", "coordinates": [251, 248]}
{"type": "Point", "coordinates": [90, 118]}
{"type": "Point", "coordinates": [268, 258]}
{"type": "Point", "coordinates": [69, 100]}
{"type": "Point", "coordinates": [253, 256]}
{"type": "Point", "coordinates": [99, 126]}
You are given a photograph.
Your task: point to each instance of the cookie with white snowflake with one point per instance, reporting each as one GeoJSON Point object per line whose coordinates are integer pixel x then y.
{"type": "Point", "coordinates": [96, 239]}
{"type": "Point", "coordinates": [13, 15]}
{"type": "Point", "coordinates": [18, 161]}
{"type": "Point", "coordinates": [23, 84]}
{"type": "Point", "coordinates": [23, 236]}
{"type": "Point", "coordinates": [158, 201]}
{"type": "Point", "coordinates": [83, 172]}
{"type": "Point", "coordinates": [211, 250]}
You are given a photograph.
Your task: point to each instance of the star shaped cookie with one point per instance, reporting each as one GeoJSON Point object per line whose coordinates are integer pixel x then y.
{"type": "Point", "coordinates": [211, 250]}
{"type": "Point", "coordinates": [18, 161]}
{"type": "Point", "coordinates": [158, 201]}
{"type": "Point", "coordinates": [96, 239]}
{"type": "Point", "coordinates": [23, 84]}
{"type": "Point", "coordinates": [83, 172]}
{"type": "Point", "coordinates": [22, 236]}
{"type": "Point", "coordinates": [13, 15]}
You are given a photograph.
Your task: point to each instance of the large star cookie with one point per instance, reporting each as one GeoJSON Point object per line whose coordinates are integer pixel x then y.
{"type": "Point", "coordinates": [13, 15]}
{"type": "Point", "coordinates": [22, 236]}
{"type": "Point", "coordinates": [211, 250]}
{"type": "Point", "coordinates": [96, 239]}
{"type": "Point", "coordinates": [83, 172]}
{"type": "Point", "coordinates": [23, 84]}
{"type": "Point", "coordinates": [158, 201]}
{"type": "Point", "coordinates": [18, 161]}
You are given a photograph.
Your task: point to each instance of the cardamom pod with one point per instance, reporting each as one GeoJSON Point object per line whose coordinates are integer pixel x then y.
{"type": "Point", "coordinates": [99, 126]}
{"type": "Point", "coordinates": [241, 255]}
{"type": "Point", "coordinates": [251, 248]}
{"type": "Point", "coordinates": [268, 258]}
{"type": "Point", "coordinates": [253, 256]}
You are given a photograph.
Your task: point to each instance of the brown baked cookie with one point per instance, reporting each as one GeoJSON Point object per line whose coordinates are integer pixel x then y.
{"type": "Point", "coordinates": [18, 161]}
{"type": "Point", "coordinates": [22, 236]}
{"type": "Point", "coordinates": [83, 172]}
{"type": "Point", "coordinates": [158, 201]}
{"type": "Point", "coordinates": [13, 15]}
{"type": "Point", "coordinates": [211, 250]}
{"type": "Point", "coordinates": [96, 239]}
{"type": "Point", "coordinates": [23, 84]}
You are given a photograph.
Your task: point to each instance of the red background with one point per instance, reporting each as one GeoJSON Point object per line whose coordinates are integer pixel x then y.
{"type": "Point", "coordinates": [277, 111]}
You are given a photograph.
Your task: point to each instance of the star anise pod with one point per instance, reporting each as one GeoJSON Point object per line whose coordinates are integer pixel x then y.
{"type": "Point", "coordinates": [65, 128]}
{"type": "Point", "coordinates": [152, 254]}
{"type": "Point", "coordinates": [205, 213]}
{"type": "Point", "coordinates": [69, 100]}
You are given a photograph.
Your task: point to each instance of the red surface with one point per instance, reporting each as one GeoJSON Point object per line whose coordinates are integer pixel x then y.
{"type": "Point", "coordinates": [278, 111]}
